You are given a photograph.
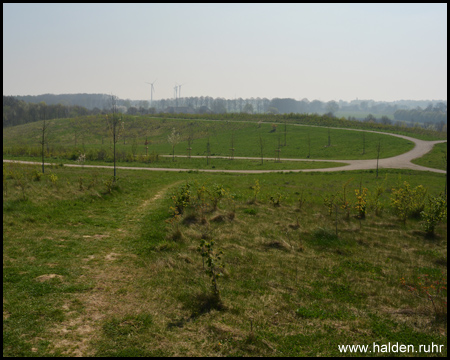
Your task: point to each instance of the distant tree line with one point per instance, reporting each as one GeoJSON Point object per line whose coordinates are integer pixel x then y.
{"type": "Point", "coordinates": [436, 115]}
{"type": "Point", "coordinates": [277, 105]}
{"type": "Point", "coordinates": [89, 101]}
{"type": "Point", "coordinates": [289, 105]}
{"type": "Point", "coordinates": [18, 112]}
{"type": "Point", "coordinates": [32, 108]}
{"type": "Point", "coordinates": [249, 105]}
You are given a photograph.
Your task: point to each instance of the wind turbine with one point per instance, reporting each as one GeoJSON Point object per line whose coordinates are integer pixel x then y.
{"type": "Point", "coordinates": [179, 90]}
{"type": "Point", "coordinates": [175, 88]}
{"type": "Point", "coordinates": [151, 89]}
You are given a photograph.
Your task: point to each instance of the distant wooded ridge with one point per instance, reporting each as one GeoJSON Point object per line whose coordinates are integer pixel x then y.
{"type": "Point", "coordinates": [259, 105]}
{"type": "Point", "coordinates": [23, 109]}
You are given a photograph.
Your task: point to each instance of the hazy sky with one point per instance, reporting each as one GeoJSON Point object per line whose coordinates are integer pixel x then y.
{"type": "Point", "coordinates": [383, 52]}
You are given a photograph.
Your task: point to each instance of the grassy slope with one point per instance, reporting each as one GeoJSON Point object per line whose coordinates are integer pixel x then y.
{"type": "Point", "coordinates": [130, 284]}
{"type": "Point", "coordinates": [436, 158]}
{"type": "Point", "coordinates": [344, 144]}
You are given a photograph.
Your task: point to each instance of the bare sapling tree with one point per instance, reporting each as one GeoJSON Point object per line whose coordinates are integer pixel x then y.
{"type": "Point", "coordinates": [80, 128]}
{"type": "Point", "coordinates": [115, 127]}
{"type": "Point", "coordinates": [445, 163]}
{"type": "Point", "coordinates": [208, 151]}
{"type": "Point", "coordinates": [190, 140]}
{"type": "Point", "coordinates": [76, 131]}
{"type": "Point", "coordinates": [134, 147]}
{"type": "Point", "coordinates": [277, 151]}
{"type": "Point", "coordinates": [336, 220]}
{"type": "Point", "coordinates": [232, 145]}
{"type": "Point", "coordinates": [285, 132]}
{"type": "Point", "coordinates": [378, 154]}
{"type": "Point", "coordinates": [309, 147]}
{"type": "Point", "coordinates": [173, 138]}
{"type": "Point", "coordinates": [85, 125]}
{"type": "Point", "coordinates": [261, 145]}
{"type": "Point", "coordinates": [364, 143]}
{"type": "Point", "coordinates": [105, 130]}
{"type": "Point", "coordinates": [146, 146]}
{"type": "Point", "coordinates": [44, 139]}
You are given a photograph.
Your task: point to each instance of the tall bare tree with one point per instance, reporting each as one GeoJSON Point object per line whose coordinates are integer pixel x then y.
{"type": "Point", "coordinates": [232, 145]}
{"type": "Point", "coordinates": [364, 143]}
{"type": "Point", "coordinates": [44, 130]}
{"type": "Point", "coordinates": [208, 151]}
{"type": "Point", "coordinates": [173, 139]}
{"type": "Point", "coordinates": [261, 145]}
{"type": "Point", "coordinates": [115, 127]}
{"type": "Point", "coordinates": [277, 151]}
{"type": "Point", "coordinates": [190, 139]}
{"type": "Point", "coordinates": [309, 147]}
{"type": "Point", "coordinates": [445, 162]}
{"type": "Point", "coordinates": [378, 154]}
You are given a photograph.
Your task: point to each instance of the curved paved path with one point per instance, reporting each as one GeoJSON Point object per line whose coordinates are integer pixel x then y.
{"type": "Point", "coordinates": [403, 161]}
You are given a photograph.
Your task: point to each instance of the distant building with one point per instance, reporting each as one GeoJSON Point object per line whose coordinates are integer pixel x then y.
{"type": "Point", "coordinates": [204, 110]}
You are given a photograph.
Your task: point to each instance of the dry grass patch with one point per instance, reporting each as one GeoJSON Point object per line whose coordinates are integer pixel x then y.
{"type": "Point", "coordinates": [47, 277]}
{"type": "Point", "coordinates": [106, 299]}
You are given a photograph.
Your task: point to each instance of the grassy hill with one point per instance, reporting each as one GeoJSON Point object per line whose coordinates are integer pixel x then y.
{"type": "Point", "coordinates": [102, 269]}
{"type": "Point", "coordinates": [67, 139]}
{"type": "Point", "coordinates": [308, 262]}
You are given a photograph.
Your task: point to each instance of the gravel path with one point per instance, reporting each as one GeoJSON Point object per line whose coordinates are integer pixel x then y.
{"type": "Point", "coordinates": [402, 161]}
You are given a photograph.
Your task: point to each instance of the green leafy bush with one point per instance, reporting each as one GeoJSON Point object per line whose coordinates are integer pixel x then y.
{"type": "Point", "coordinates": [213, 262]}
{"type": "Point", "coordinates": [181, 198]}
{"type": "Point", "coordinates": [433, 213]}
{"type": "Point", "coordinates": [408, 202]}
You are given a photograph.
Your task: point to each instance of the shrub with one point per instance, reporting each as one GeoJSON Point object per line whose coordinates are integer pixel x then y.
{"type": "Point", "coordinates": [181, 198]}
{"type": "Point", "coordinates": [375, 203]}
{"type": "Point", "coordinates": [276, 199]}
{"type": "Point", "coordinates": [110, 184]}
{"type": "Point", "coordinates": [53, 179]}
{"type": "Point", "coordinates": [329, 203]}
{"type": "Point", "coordinates": [301, 200]}
{"type": "Point", "coordinates": [434, 213]}
{"type": "Point", "coordinates": [73, 155]}
{"type": "Point", "coordinates": [408, 202]}
{"type": "Point", "coordinates": [37, 175]}
{"type": "Point", "coordinates": [101, 154]}
{"type": "Point", "coordinates": [256, 189]}
{"type": "Point", "coordinates": [81, 159]}
{"type": "Point", "coordinates": [361, 202]}
{"type": "Point", "coordinates": [216, 194]}
{"type": "Point", "coordinates": [345, 203]}
{"type": "Point", "coordinates": [213, 263]}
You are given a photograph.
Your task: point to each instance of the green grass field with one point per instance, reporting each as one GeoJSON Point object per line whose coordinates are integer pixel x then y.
{"type": "Point", "coordinates": [96, 269]}
{"type": "Point", "coordinates": [91, 135]}
{"type": "Point", "coordinates": [93, 267]}
{"type": "Point", "coordinates": [437, 158]}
